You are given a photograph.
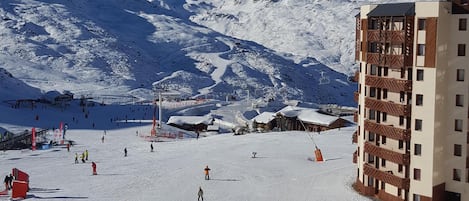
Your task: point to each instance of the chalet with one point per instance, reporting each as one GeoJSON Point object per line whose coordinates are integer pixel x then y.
{"type": "Point", "coordinates": [297, 118]}
{"type": "Point", "coordinates": [264, 121]}
{"type": "Point", "coordinates": [191, 123]}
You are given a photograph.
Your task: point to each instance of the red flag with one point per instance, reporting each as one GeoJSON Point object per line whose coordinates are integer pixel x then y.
{"type": "Point", "coordinates": [33, 139]}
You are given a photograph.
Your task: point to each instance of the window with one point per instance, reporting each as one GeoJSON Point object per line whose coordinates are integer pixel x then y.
{"type": "Point", "coordinates": [459, 100]}
{"type": "Point", "coordinates": [461, 49]}
{"type": "Point", "coordinates": [383, 139]}
{"type": "Point", "coordinates": [457, 150]}
{"type": "Point", "coordinates": [385, 94]}
{"type": "Point", "coordinates": [385, 71]}
{"type": "Point", "coordinates": [373, 70]}
{"type": "Point", "coordinates": [421, 24]}
{"type": "Point", "coordinates": [401, 144]}
{"type": "Point", "coordinates": [402, 96]}
{"type": "Point", "coordinates": [421, 49]}
{"type": "Point", "coordinates": [462, 24]}
{"type": "Point", "coordinates": [385, 116]}
{"type": "Point", "coordinates": [419, 74]}
{"type": "Point", "coordinates": [401, 120]}
{"type": "Point", "coordinates": [372, 115]}
{"type": "Point", "coordinates": [419, 99]}
{"type": "Point", "coordinates": [371, 137]}
{"type": "Point", "coordinates": [460, 75]}
{"type": "Point", "coordinates": [418, 124]}
{"type": "Point", "coordinates": [417, 149]}
{"type": "Point", "coordinates": [399, 168]}
{"type": "Point", "coordinates": [417, 174]}
{"type": "Point", "coordinates": [372, 92]}
{"type": "Point", "coordinates": [371, 158]}
{"type": "Point", "coordinates": [383, 163]}
{"type": "Point", "coordinates": [458, 125]}
{"type": "Point", "coordinates": [456, 174]}
{"type": "Point", "coordinates": [416, 197]}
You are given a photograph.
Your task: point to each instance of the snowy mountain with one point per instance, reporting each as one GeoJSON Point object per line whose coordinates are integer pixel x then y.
{"type": "Point", "coordinates": [274, 49]}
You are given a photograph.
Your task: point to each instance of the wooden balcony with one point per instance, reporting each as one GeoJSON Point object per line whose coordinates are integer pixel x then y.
{"type": "Point", "coordinates": [387, 60]}
{"type": "Point", "coordinates": [374, 35]}
{"type": "Point", "coordinates": [403, 159]}
{"type": "Point", "coordinates": [388, 107]}
{"type": "Point", "coordinates": [356, 76]}
{"type": "Point", "coordinates": [388, 131]}
{"type": "Point", "coordinates": [355, 137]}
{"type": "Point", "coordinates": [386, 177]}
{"type": "Point", "coordinates": [355, 157]}
{"type": "Point", "coordinates": [395, 36]}
{"type": "Point", "coordinates": [386, 36]}
{"type": "Point", "coordinates": [392, 84]}
{"type": "Point", "coordinates": [362, 189]}
{"type": "Point", "coordinates": [355, 96]}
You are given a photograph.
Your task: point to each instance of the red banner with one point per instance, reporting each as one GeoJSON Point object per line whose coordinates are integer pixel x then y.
{"type": "Point", "coordinates": [33, 139]}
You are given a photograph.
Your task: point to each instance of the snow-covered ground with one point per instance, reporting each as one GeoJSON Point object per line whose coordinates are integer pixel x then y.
{"type": "Point", "coordinates": [280, 171]}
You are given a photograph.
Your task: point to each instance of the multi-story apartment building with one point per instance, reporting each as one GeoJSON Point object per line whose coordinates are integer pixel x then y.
{"type": "Point", "coordinates": [412, 135]}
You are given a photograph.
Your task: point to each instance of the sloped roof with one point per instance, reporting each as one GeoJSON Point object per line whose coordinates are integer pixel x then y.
{"type": "Point", "coordinates": [264, 117]}
{"type": "Point", "coordinates": [308, 115]}
{"type": "Point", "coordinates": [191, 120]}
{"type": "Point", "coordinates": [395, 9]}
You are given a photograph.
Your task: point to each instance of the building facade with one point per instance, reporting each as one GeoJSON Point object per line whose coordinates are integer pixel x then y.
{"type": "Point", "coordinates": [412, 135]}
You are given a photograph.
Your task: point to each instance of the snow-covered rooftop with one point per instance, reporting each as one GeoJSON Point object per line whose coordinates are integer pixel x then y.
{"type": "Point", "coordinates": [264, 117]}
{"type": "Point", "coordinates": [192, 120]}
{"type": "Point", "coordinates": [308, 115]}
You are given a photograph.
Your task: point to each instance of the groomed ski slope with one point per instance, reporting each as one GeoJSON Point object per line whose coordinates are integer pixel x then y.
{"type": "Point", "coordinates": [174, 171]}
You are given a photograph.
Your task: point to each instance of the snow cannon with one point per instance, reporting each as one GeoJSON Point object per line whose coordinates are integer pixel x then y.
{"type": "Point", "coordinates": [318, 154]}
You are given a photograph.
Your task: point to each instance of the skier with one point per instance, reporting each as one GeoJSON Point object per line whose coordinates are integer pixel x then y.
{"type": "Point", "coordinates": [102, 139]}
{"type": "Point", "coordinates": [86, 154]}
{"type": "Point", "coordinates": [10, 181]}
{"type": "Point", "coordinates": [76, 158]}
{"type": "Point", "coordinates": [68, 147]}
{"type": "Point", "coordinates": [125, 152]}
{"type": "Point", "coordinates": [93, 165]}
{"type": "Point", "coordinates": [82, 157]}
{"type": "Point", "coordinates": [207, 176]}
{"type": "Point", "coordinates": [6, 181]}
{"type": "Point", "coordinates": [151, 147]}
{"type": "Point", "coordinates": [200, 194]}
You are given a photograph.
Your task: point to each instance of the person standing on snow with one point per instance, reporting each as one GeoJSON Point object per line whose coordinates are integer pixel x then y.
{"type": "Point", "coordinates": [76, 158]}
{"type": "Point", "coordinates": [151, 147]}
{"type": "Point", "coordinates": [82, 157]}
{"type": "Point", "coordinates": [206, 170]}
{"type": "Point", "coordinates": [7, 181]}
{"type": "Point", "coordinates": [86, 154]}
{"type": "Point", "coordinates": [125, 152]}
{"type": "Point", "coordinates": [200, 194]}
{"type": "Point", "coordinates": [93, 165]}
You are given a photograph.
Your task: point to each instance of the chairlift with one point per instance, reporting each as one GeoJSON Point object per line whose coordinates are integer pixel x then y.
{"type": "Point", "coordinates": [323, 79]}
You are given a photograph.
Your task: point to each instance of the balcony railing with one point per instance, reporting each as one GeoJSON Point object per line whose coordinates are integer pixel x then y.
{"type": "Point", "coordinates": [392, 84]}
{"type": "Point", "coordinates": [387, 60]}
{"type": "Point", "coordinates": [388, 107]}
{"type": "Point", "coordinates": [403, 159]}
{"type": "Point", "coordinates": [362, 189]}
{"type": "Point", "coordinates": [386, 177]}
{"type": "Point", "coordinates": [355, 137]}
{"type": "Point", "coordinates": [388, 131]}
{"type": "Point", "coordinates": [386, 36]}
{"type": "Point", "coordinates": [355, 156]}
{"type": "Point", "coordinates": [356, 76]}
{"type": "Point", "coordinates": [355, 96]}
